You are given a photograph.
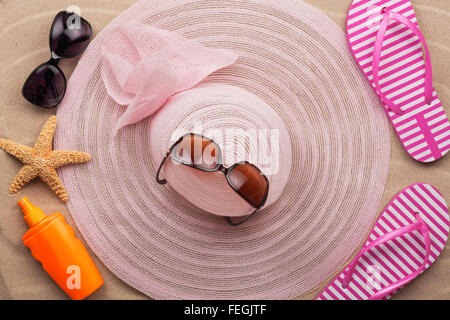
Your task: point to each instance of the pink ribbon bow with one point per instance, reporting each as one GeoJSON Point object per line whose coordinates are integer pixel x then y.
{"type": "Point", "coordinates": [144, 66]}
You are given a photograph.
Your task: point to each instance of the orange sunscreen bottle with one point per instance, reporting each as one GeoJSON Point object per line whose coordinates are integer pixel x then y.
{"type": "Point", "coordinates": [54, 244]}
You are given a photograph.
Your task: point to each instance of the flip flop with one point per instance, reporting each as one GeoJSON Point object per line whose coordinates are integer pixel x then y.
{"type": "Point", "coordinates": [407, 238]}
{"type": "Point", "coordinates": [386, 42]}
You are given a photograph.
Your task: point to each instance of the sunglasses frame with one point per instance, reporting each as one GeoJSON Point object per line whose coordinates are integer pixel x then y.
{"type": "Point", "coordinates": [219, 168]}
{"type": "Point", "coordinates": [54, 59]}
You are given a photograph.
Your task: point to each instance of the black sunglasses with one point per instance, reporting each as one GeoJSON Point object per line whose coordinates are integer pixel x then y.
{"type": "Point", "coordinates": [69, 36]}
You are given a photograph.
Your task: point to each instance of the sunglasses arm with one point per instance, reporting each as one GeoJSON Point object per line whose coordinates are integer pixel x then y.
{"type": "Point", "coordinates": [162, 181]}
{"type": "Point", "coordinates": [235, 224]}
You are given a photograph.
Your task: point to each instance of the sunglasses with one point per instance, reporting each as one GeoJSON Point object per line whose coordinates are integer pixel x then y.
{"type": "Point", "coordinates": [69, 36]}
{"type": "Point", "coordinates": [201, 153]}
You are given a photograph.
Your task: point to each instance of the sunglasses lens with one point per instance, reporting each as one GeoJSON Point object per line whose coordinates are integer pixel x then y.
{"type": "Point", "coordinates": [70, 34]}
{"type": "Point", "coordinates": [249, 182]}
{"type": "Point", "coordinates": [45, 86]}
{"type": "Point", "coordinates": [198, 151]}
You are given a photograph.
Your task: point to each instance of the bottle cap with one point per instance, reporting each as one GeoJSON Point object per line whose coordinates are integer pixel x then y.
{"type": "Point", "coordinates": [32, 214]}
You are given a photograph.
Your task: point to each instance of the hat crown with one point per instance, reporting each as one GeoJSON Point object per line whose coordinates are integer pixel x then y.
{"type": "Point", "coordinates": [244, 126]}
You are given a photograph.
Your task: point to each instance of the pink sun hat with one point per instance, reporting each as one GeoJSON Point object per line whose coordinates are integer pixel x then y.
{"type": "Point", "coordinates": [285, 70]}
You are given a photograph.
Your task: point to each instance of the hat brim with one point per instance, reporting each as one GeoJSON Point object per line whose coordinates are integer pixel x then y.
{"type": "Point", "coordinates": [293, 57]}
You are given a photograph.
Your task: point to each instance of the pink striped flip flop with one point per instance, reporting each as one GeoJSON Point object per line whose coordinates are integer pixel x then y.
{"type": "Point", "coordinates": [386, 42]}
{"type": "Point", "coordinates": [408, 237]}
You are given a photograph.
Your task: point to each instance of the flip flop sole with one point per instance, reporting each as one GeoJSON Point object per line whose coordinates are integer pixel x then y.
{"type": "Point", "coordinates": [424, 130]}
{"type": "Point", "coordinates": [385, 264]}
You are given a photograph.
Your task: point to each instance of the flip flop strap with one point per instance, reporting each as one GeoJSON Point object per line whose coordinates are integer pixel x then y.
{"type": "Point", "coordinates": [390, 15]}
{"type": "Point", "coordinates": [419, 225]}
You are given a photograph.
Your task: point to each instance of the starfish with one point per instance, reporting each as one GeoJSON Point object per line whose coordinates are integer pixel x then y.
{"type": "Point", "coordinates": [41, 161]}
